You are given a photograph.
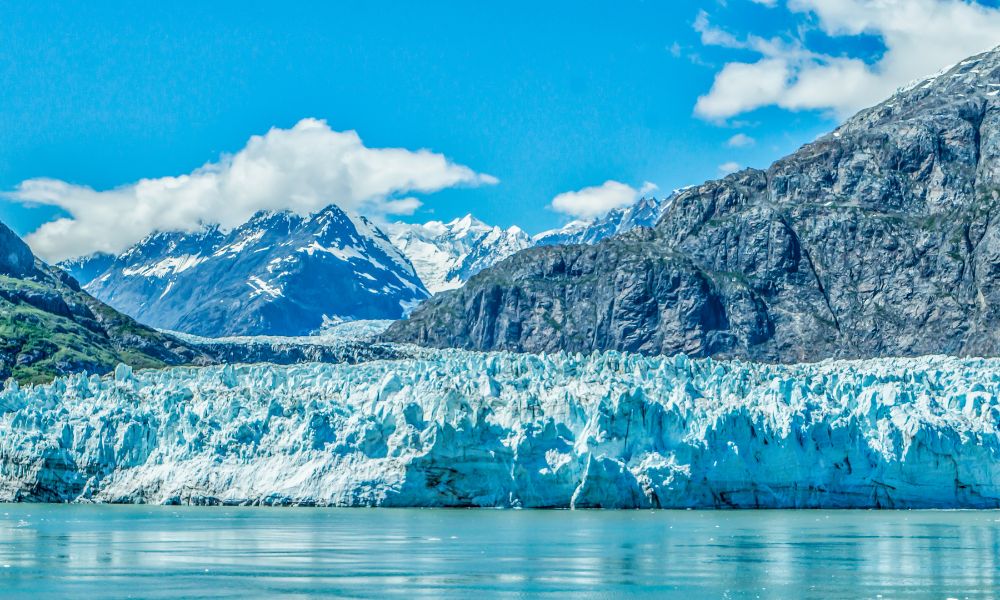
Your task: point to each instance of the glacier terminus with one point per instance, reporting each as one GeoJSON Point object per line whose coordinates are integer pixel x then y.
{"type": "Point", "coordinates": [454, 428]}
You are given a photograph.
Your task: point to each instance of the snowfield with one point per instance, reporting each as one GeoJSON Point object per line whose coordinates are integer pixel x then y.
{"type": "Point", "coordinates": [456, 428]}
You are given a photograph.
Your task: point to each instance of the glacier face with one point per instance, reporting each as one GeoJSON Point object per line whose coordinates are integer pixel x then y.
{"type": "Point", "coordinates": [455, 428]}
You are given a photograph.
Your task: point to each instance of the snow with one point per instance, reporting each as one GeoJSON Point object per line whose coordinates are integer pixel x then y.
{"type": "Point", "coordinates": [163, 268]}
{"type": "Point", "coordinates": [645, 212]}
{"type": "Point", "coordinates": [236, 247]}
{"type": "Point", "coordinates": [445, 255]}
{"type": "Point", "coordinates": [346, 253]}
{"type": "Point", "coordinates": [457, 428]}
{"type": "Point", "coordinates": [262, 287]}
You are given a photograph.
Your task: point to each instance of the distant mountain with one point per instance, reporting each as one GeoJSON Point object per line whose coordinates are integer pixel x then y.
{"type": "Point", "coordinates": [49, 326]}
{"type": "Point", "coordinates": [278, 274]}
{"type": "Point", "coordinates": [445, 255]}
{"type": "Point", "coordinates": [644, 213]}
{"type": "Point", "coordinates": [881, 238]}
{"type": "Point", "coordinates": [87, 268]}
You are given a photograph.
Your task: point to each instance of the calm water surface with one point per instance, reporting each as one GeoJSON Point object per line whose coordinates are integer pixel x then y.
{"type": "Point", "coordinates": [168, 552]}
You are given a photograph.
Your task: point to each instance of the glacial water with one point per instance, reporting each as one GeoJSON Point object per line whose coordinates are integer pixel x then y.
{"type": "Point", "coordinates": [86, 551]}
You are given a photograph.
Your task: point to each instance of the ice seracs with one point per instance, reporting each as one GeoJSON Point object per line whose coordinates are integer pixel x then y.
{"type": "Point", "coordinates": [457, 428]}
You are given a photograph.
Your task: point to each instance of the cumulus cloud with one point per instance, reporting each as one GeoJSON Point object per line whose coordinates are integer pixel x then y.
{"type": "Point", "coordinates": [740, 140]}
{"type": "Point", "coordinates": [592, 202]}
{"type": "Point", "coordinates": [302, 169]}
{"type": "Point", "coordinates": [920, 38]}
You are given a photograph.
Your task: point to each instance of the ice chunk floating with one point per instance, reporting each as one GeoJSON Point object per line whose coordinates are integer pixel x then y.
{"type": "Point", "coordinates": [459, 428]}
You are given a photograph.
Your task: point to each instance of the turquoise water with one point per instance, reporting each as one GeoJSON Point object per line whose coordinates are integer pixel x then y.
{"type": "Point", "coordinates": [55, 551]}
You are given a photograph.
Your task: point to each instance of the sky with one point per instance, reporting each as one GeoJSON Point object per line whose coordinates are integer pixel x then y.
{"type": "Point", "coordinates": [118, 119]}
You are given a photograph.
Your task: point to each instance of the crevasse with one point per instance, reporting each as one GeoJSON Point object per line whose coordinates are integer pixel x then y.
{"type": "Point", "coordinates": [457, 428]}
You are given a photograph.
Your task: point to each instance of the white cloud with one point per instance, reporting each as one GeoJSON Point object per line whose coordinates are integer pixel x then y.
{"type": "Point", "coordinates": [920, 38]}
{"type": "Point", "coordinates": [740, 140]}
{"type": "Point", "coordinates": [713, 36]}
{"type": "Point", "coordinates": [591, 202]}
{"type": "Point", "coordinates": [303, 169]}
{"type": "Point", "coordinates": [728, 167]}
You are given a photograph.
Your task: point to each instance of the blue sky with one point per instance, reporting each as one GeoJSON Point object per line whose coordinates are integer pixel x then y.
{"type": "Point", "coordinates": [546, 97]}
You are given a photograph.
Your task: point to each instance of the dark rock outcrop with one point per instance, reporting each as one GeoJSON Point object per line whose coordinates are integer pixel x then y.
{"type": "Point", "coordinates": [881, 238]}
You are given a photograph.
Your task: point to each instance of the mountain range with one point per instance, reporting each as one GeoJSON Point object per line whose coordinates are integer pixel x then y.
{"type": "Point", "coordinates": [445, 255]}
{"type": "Point", "coordinates": [644, 213]}
{"type": "Point", "coordinates": [285, 274]}
{"type": "Point", "coordinates": [278, 273]}
{"type": "Point", "coordinates": [880, 238]}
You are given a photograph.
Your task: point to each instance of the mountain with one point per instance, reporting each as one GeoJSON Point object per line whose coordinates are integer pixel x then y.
{"type": "Point", "coordinates": [87, 268]}
{"type": "Point", "coordinates": [445, 255]}
{"type": "Point", "coordinates": [880, 238]}
{"type": "Point", "coordinates": [50, 327]}
{"type": "Point", "coordinates": [456, 428]}
{"type": "Point", "coordinates": [644, 213]}
{"type": "Point", "coordinates": [279, 273]}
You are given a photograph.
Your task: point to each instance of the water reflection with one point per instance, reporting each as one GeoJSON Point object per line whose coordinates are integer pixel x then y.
{"type": "Point", "coordinates": [161, 552]}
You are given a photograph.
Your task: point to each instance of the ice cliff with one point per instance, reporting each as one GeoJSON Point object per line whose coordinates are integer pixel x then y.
{"type": "Point", "coordinates": [457, 428]}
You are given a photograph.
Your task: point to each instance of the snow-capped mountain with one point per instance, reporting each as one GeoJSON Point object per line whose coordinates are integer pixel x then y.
{"type": "Point", "coordinates": [87, 268]}
{"type": "Point", "coordinates": [445, 255]}
{"type": "Point", "coordinates": [644, 213]}
{"type": "Point", "coordinates": [280, 273]}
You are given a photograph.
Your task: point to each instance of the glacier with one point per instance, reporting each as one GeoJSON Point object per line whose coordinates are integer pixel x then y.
{"type": "Point", "coordinates": [457, 428]}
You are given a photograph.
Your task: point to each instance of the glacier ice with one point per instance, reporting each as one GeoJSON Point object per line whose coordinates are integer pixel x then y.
{"type": "Point", "coordinates": [456, 428]}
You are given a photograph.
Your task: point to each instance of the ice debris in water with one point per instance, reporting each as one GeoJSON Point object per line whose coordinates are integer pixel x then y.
{"type": "Point", "coordinates": [457, 428]}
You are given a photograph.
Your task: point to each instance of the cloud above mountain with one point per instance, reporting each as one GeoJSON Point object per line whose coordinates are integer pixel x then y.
{"type": "Point", "coordinates": [302, 169]}
{"type": "Point", "coordinates": [592, 202]}
{"type": "Point", "coordinates": [919, 38]}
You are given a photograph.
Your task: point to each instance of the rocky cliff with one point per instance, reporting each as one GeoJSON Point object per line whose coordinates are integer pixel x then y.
{"type": "Point", "coordinates": [880, 238]}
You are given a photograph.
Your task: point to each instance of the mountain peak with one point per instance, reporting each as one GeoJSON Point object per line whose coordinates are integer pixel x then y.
{"type": "Point", "coordinates": [445, 255]}
{"type": "Point", "coordinates": [279, 274]}
{"type": "Point", "coordinates": [16, 259]}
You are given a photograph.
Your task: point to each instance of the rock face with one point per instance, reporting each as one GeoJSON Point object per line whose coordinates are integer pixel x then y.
{"type": "Point", "coordinates": [446, 255]}
{"type": "Point", "coordinates": [278, 274]}
{"type": "Point", "coordinates": [881, 238]}
{"type": "Point", "coordinates": [608, 430]}
{"type": "Point", "coordinates": [50, 327]}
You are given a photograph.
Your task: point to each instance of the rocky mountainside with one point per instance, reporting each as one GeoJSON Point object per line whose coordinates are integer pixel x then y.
{"type": "Point", "coordinates": [880, 238]}
{"type": "Point", "coordinates": [445, 255]}
{"type": "Point", "coordinates": [278, 274]}
{"type": "Point", "coordinates": [644, 213]}
{"type": "Point", "coordinates": [50, 327]}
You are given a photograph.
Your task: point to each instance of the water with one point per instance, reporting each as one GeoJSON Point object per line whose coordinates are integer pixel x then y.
{"type": "Point", "coordinates": [55, 551]}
